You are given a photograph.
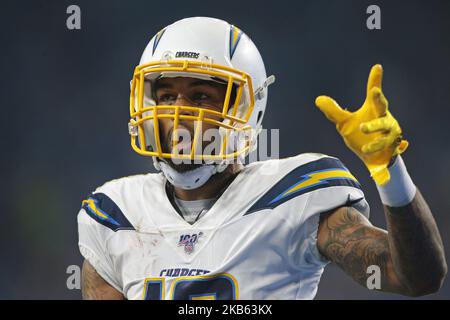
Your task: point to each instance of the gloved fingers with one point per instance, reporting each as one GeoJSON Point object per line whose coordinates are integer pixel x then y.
{"type": "Point", "coordinates": [379, 102]}
{"type": "Point", "coordinates": [332, 110]}
{"type": "Point", "coordinates": [402, 146]}
{"type": "Point", "coordinates": [374, 146]}
{"type": "Point", "coordinates": [385, 141]}
{"type": "Point", "coordinates": [383, 124]}
{"type": "Point", "coordinates": [378, 144]}
{"type": "Point", "coordinates": [375, 78]}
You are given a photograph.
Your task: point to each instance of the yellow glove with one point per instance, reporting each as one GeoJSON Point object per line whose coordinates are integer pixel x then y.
{"type": "Point", "coordinates": [371, 132]}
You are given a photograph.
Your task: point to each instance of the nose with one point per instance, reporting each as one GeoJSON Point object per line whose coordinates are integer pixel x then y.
{"type": "Point", "coordinates": [183, 101]}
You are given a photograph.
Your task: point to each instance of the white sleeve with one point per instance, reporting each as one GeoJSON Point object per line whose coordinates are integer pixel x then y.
{"type": "Point", "coordinates": [320, 201]}
{"type": "Point", "coordinates": [93, 247]}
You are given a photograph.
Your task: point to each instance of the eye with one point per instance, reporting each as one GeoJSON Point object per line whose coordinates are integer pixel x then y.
{"type": "Point", "coordinates": [201, 96]}
{"type": "Point", "coordinates": [167, 98]}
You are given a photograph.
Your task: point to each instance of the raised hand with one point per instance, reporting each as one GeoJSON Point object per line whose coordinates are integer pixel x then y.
{"type": "Point", "coordinates": [371, 132]}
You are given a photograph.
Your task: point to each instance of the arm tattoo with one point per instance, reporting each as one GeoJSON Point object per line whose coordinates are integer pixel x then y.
{"type": "Point", "coordinates": [410, 255]}
{"type": "Point", "coordinates": [93, 287]}
{"type": "Point", "coordinates": [354, 244]}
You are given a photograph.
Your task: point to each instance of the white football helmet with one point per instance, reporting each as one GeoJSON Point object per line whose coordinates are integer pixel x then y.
{"type": "Point", "coordinates": [209, 49]}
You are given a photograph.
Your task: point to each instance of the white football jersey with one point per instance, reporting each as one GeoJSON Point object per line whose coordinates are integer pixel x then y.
{"type": "Point", "coordinates": [258, 241]}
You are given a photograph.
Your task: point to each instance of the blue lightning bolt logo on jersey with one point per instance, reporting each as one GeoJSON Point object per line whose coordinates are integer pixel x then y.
{"type": "Point", "coordinates": [102, 209]}
{"type": "Point", "coordinates": [316, 178]}
{"type": "Point", "coordinates": [325, 172]}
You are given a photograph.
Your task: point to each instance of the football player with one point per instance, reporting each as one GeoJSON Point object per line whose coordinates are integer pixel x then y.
{"type": "Point", "coordinates": [209, 227]}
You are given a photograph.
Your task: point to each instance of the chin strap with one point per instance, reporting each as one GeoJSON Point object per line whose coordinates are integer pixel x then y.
{"type": "Point", "coordinates": [191, 179]}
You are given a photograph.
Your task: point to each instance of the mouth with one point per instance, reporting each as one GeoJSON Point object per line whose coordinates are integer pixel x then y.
{"type": "Point", "coordinates": [183, 140]}
{"type": "Point", "coordinates": [182, 146]}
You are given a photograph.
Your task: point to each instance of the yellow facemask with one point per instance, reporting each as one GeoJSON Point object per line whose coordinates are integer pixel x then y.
{"type": "Point", "coordinates": [145, 116]}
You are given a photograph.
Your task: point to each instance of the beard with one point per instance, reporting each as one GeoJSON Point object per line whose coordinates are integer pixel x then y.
{"type": "Point", "coordinates": [184, 166]}
{"type": "Point", "coordinates": [186, 131]}
{"type": "Point", "coordinates": [181, 165]}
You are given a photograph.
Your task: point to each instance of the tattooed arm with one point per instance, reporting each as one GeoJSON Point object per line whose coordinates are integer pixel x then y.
{"type": "Point", "coordinates": [93, 287]}
{"type": "Point", "coordinates": [410, 255]}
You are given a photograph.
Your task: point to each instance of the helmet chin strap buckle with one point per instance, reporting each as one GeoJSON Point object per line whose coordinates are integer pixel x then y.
{"type": "Point", "coordinates": [191, 179]}
{"type": "Point", "coordinates": [132, 128]}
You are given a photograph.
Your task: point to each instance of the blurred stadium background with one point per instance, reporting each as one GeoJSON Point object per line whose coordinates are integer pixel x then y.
{"type": "Point", "coordinates": [64, 98]}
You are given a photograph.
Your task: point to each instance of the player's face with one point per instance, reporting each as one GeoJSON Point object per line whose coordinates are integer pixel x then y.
{"type": "Point", "coordinates": [185, 91]}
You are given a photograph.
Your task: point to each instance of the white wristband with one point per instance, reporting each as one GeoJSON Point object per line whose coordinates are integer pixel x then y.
{"type": "Point", "coordinates": [400, 190]}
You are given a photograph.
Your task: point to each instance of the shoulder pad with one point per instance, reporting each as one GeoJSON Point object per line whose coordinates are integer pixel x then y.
{"type": "Point", "coordinates": [103, 210]}
{"type": "Point", "coordinates": [320, 173]}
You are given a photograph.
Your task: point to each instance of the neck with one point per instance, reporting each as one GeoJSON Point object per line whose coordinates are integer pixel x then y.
{"type": "Point", "coordinates": [212, 188]}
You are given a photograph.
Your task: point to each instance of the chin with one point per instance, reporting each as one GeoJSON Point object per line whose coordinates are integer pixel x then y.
{"type": "Point", "coordinates": [185, 164]}
{"type": "Point", "coordinates": [184, 167]}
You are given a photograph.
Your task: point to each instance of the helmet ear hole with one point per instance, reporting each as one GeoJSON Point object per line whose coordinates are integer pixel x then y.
{"type": "Point", "coordinates": [259, 117]}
